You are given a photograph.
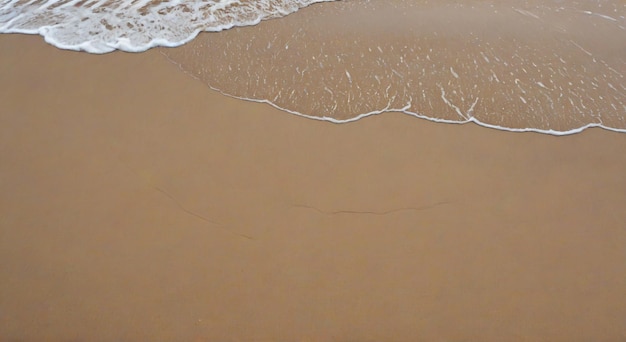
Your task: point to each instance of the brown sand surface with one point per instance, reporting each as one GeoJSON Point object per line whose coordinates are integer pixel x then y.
{"type": "Point", "coordinates": [137, 205]}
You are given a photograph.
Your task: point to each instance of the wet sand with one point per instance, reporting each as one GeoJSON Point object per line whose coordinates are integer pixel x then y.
{"type": "Point", "coordinates": [136, 204]}
{"type": "Point", "coordinates": [539, 67]}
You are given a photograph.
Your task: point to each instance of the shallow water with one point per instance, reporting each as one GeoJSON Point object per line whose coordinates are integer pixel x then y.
{"type": "Point", "coordinates": [549, 66]}
{"type": "Point", "coordinates": [549, 69]}
{"type": "Point", "coordinates": [100, 26]}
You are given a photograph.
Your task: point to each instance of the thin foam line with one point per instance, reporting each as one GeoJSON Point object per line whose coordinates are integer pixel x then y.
{"type": "Point", "coordinates": [404, 110]}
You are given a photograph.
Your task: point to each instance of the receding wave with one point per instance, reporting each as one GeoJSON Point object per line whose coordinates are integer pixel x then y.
{"type": "Point", "coordinates": [554, 67]}
{"type": "Point", "coordinates": [549, 66]}
{"type": "Point", "coordinates": [100, 26]}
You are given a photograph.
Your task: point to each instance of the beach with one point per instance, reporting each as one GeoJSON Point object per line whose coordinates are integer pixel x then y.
{"type": "Point", "coordinates": [137, 204]}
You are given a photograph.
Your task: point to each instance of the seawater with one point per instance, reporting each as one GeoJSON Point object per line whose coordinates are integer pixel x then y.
{"type": "Point", "coordinates": [101, 26]}
{"type": "Point", "coordinates": [555, 67]}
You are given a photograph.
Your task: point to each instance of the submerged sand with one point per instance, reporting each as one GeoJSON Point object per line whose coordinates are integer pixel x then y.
{"type": "Point", "coordinates": [543, 66]}
{"type": "Point", "coordinates": [136, 204]}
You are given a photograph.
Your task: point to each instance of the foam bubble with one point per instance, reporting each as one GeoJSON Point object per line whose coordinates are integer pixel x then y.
{"type": "Point", "coordinates": [100, 26]}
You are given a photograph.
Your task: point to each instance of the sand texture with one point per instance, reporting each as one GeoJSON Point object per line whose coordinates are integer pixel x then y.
{"type": "Point", "coordinates": [138, 205]}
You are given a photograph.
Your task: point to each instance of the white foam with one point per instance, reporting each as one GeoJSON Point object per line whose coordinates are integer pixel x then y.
{"type": "Point", "coordinates": [406, 110]}
{"type": "Point", "coordinates": [131, 25]}
{"type": "Point", "coordinates": [101, 26]}
{"type": "Point", "coordinates": [519, 84]}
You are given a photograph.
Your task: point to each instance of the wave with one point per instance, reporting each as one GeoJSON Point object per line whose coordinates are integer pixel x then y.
{"type": "Point", "coordinates": [538, 67]}
{"type": "Point", "coordinates": [101, 26]}
{"type": "Point", "coordinates": [553, 67]}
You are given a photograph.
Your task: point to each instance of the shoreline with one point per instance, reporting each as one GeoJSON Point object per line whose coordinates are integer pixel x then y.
{"type": "Point", "coordinates": [471, 120]}
{"type": "Point", "coordinates": [126, 187]}
{"type": "Point", "coordinates": [436, 69]}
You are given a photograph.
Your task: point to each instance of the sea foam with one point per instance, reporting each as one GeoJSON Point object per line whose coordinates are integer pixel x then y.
{"type": "Point", "coordinates": [547, 66]}
{"type": "Point", "coordinates": [101, 26]}
{"type": "Point", "coordinates": [538, 66]}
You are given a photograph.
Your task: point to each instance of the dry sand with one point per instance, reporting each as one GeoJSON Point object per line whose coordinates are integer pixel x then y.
{"type": "Point", "coordinates": [137, 205]}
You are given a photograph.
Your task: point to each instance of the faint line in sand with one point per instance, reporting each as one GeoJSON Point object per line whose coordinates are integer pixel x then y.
{"type": "Point", "coordinates": [181, 206]}
{"type": "Point", "coordinates": [370, 212]}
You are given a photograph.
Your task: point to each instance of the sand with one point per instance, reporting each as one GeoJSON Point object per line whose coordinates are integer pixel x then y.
{"type": "Point", "coordinates": [137, 205]}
